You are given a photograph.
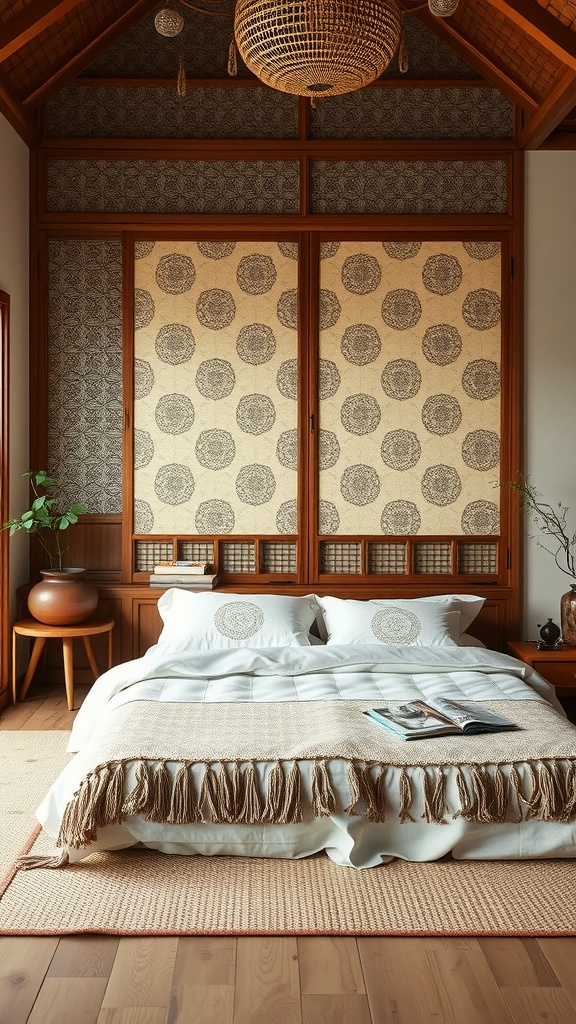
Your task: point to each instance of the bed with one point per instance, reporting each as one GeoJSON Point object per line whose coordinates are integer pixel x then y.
{"type": "Point", "coordinates": [242, 732]}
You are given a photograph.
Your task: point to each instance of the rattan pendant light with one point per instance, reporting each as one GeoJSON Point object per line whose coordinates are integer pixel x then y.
{"type": "Point", "coordinates": [317, 47]}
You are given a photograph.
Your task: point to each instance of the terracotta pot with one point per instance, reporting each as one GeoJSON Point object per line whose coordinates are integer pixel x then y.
{"type": "Point", "coordinates": [62, 598]}
{"type": "Point", "coordinates": [568, 615]}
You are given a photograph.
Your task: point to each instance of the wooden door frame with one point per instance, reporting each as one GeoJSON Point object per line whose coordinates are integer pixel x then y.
{"type": "Point", "coordinates": [4, 495]}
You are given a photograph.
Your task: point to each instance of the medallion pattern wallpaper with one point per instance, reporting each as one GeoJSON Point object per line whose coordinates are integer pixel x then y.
{"type": "Point", "coordinates": [410, 347]}
{"type": "Point", "coordinates": [215, 439]}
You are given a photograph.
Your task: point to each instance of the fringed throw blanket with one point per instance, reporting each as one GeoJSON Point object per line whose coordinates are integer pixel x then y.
{"type": "Point", "coordinates": [263, 763]}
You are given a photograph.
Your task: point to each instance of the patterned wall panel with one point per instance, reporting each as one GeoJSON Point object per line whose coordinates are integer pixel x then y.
{"type": "Point", "coordinates": [172, 186]}
{"type": "Point", "coordinates": [142, 53]}
{"type": "Point", "coordinates": [260, 113]}
{"type": "Point", "coordinates": [413, 114]}
{"type": "Point", "coordinates": [216, 387]}
{"type": "Point", "coordinates": [203, 113]}
{"type": "Point", "coordinates": [402, 186]}
{"type": "Point", "coordinates": [410, 387]}
{"type": "Point", "coordinates": [85, 371]}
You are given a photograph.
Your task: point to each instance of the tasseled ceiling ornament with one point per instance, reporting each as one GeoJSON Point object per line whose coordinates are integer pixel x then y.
{"type": "Point", "coordinates": [169, 23]}
{"type": "Point", "coordinates": [181, 77]}
{"type": "Point", "coordinates": [232, 59]}
{"type": "Point", "coordinates": [402, 51]}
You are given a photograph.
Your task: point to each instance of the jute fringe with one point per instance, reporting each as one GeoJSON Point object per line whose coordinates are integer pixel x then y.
{"type": "Point", "coordinates": [232, 792]}
{"type": "Point", "coordinates": [58, 859]}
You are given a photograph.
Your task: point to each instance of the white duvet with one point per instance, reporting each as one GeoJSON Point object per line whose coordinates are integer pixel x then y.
{"type": "Point", "coordinates": [312, 674]}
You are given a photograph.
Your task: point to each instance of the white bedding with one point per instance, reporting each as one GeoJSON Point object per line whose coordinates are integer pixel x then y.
{"type": "Point", "coordinates": [313, 674]}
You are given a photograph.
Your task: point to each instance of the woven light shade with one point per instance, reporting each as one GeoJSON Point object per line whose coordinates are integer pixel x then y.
{"type": "Point", "coordinates": [317, 47]}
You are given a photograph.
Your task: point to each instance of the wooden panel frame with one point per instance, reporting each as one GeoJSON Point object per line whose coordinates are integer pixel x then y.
{"type": "Point", "coordinates": [303, 347]}
{"type": "Point", "coordinates": [509, 554]}
{"type": "Point", "coordinates": [308, 566]}
{"type": "Point", "coordinates": [301, 150]}
{"type": "Point", "coordinates": [308, 229]}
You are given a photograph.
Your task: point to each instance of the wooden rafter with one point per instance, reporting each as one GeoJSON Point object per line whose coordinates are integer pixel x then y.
{"type": "Point", "coordinates": [540, 118]}
{"type": "Point", "coordinates": [541, 26]}
{"type": "Point", "coordinates": [554, 108]}
{"type": "Point", "coordinates": [14, 114]}
{"type": "Point", "coordinates": [131, 13]}
{"type": "Point", "coordinates": [30, 22]}
{"type": "Point", "coordinates": [482, 62]}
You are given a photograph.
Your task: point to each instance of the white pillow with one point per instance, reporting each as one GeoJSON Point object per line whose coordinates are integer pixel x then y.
{"type": "Point", "coordinates": [389, 622]}
{"type": "Point", "coordinates": [467, 604]}
{"type": "Point", "coordinates": [208, 621]}
{"type": "Point", "coordinates": [466, 640]}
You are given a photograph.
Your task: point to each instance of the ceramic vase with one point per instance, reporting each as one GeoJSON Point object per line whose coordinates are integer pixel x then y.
{"type": "Point", "coordinates": [568, 615]}
{"type": "Point", "coordinates": [550, 633]}
{"type": "Point", "coordinates": [62, 598]}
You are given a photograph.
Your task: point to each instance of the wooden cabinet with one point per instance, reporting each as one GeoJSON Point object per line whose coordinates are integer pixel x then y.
{"type": "Point", "coordinates": [558, 667]}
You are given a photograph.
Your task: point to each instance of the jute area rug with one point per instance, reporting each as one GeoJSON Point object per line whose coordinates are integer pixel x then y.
{"type": "Point", "coordinates": [139, 892]}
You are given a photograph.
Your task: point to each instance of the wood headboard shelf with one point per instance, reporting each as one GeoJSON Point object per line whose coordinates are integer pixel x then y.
{"type": "Point", "coordinates": [137, 621]}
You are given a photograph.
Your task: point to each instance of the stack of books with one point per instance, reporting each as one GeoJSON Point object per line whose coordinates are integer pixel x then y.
{"type": "Point", "coordinates": [191, 575]}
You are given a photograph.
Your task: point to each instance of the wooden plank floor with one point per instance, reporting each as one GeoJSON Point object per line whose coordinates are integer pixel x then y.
{"type": "Point", "coordinates": [91, 979]}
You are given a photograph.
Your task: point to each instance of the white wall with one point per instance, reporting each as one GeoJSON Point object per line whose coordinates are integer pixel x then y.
{"type": "Point", "coordinates": [14, 281]}
{"type": "Point", "coordinates": [550, 365]}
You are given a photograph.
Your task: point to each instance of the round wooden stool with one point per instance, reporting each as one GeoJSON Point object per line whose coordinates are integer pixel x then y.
{"type": "Point", "coordinates": [42, 632]}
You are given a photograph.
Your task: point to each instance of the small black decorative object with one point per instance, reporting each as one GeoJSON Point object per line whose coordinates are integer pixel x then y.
{"type": "Point", "coordinates": [549, 636]}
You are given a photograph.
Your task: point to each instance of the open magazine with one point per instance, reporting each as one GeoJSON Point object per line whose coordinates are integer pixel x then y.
{"type": "Point", "coordinates": [437, 716]}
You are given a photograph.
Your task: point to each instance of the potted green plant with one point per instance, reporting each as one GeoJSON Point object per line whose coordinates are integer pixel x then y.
{"type": "Point", "coordinates": [552, 521]}
{"type": "Point", "coordinates": [63, 597]}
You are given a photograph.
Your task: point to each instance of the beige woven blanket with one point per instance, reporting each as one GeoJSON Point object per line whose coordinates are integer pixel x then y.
{"type": "Point", "coordinates": [251, 757]}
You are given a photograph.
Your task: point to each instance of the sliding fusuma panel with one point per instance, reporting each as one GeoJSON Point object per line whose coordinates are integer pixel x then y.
{"type": "Point", "coordinates": [216, 387]}
{"type": "Point", "coordinates": [409, 388]}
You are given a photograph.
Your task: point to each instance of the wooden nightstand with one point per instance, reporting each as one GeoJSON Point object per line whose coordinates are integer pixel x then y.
{"type": "Point", "coordinates": [41, 633]}
{"type": "Point", "coordinates": [558, 667]}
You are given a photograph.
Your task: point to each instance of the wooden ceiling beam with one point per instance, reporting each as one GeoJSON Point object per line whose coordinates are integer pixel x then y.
{"type": "Point", "coordinates": [12, 110]}
{"type": "Point", "coordinates": [554, 108]}
{"type": "Point", "coordinates": [479, 60]}
{"type": "Point", "coordinates": [30, 22]}
{"type": "Point", "coordinates": [541, 26]}
{"type": "Point", "coordinates": [132, 13]}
